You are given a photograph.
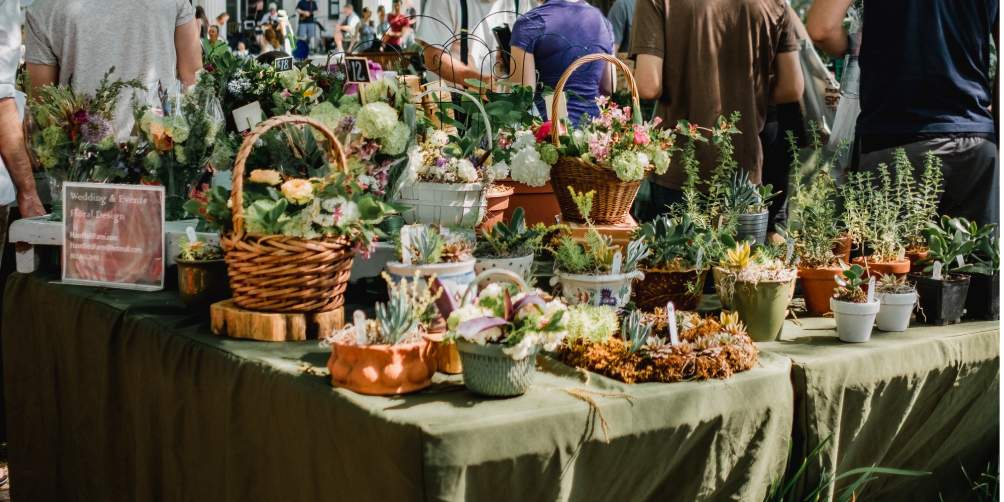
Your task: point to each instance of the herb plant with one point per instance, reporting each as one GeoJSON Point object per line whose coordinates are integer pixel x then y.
{"type": "Point", "coordinates": [922, 198]}
{"type": "Point", "coordinates": [813, 226]}
{"type": "Point", "coordinates": [597, 255]}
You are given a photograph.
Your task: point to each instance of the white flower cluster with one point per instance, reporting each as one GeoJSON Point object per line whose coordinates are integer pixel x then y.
{"type": "Point", "coordinates": [526, 165]}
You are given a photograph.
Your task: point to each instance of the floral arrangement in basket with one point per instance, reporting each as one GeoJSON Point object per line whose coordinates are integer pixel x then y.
{"type": "Point", "coordinates": [444, 158]}
{"type": "Point", "coordinates": [646, 351]}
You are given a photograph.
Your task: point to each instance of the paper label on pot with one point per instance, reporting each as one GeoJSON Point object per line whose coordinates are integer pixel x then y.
{"type": "Point", "coordinates": [674, 337]}
{"type": "Point", "coordinates": [791, 250]}
{"type": "Point", "coordinates": [616, 267]}
{"type": "Point", "coordinates": [406, 245]}
{"type": "Point", "coordinates": [958, 259]}
{"type": "Point", "coordinates": [700, 259]}
{"type": "Point", "coordinates": [190, 233]}
{"type": "Point", "coordinates": [359, 323]}
{"type": "Point", "coordinates": [936, 274]}
{"type": "Point", "coordinates": [871, 288]}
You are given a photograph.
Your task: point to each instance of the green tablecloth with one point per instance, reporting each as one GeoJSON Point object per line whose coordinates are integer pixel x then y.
{"type": "Point", "coordinates": [924, 399]}
{"type": "Point", "coordinates": [117, 395]}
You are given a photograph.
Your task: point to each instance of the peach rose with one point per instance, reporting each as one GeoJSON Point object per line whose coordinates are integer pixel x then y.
{"type": "Point", "coordinates": [298, 191]}
{"type": "Point", "coordinates": [266, 176]}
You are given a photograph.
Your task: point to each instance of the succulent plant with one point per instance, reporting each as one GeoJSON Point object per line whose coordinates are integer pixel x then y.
{"type": "Point", "coordinates": [850, 284]}
{"type": "Point", "coordinates": [396, 319]}
{"type": "Point", "coordinates": [634, 333]}
{"type": "Point", "coordinates": [670, 242]}
{"type": "Point", "coordinates": [514, 239]}
{"type": "Point", "coordinates": [951, 242]}
{"type": "Point", "coordinates": [428, 246]}
{"type": "Point", "coordinates": [894, 284]}
{"type": "Point", "coordinates": [739, 257]}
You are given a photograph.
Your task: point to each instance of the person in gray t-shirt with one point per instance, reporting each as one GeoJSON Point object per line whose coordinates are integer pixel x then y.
{"type": "Point", "coordinates": [620, 16]}
{"type": "Point", "coordinates": [79, 40]}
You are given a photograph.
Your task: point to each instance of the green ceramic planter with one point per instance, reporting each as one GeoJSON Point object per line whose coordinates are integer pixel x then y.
{"type": "Point", "coordinates": [491, 372]}
{"type": "Point", "coordinates": [763, 307]}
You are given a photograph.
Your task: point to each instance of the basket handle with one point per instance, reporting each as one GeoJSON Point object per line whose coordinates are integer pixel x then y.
{"type": "Point", "coordinates": [488, 273]}
{"type": "Point", "coordinates": [237, 193]}
{"type": "Point", "coordinates": [558, 89]}
{"type": "Point", "coordinates": [477, 102]}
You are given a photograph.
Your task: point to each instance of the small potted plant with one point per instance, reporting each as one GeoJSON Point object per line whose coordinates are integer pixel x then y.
{"type": "Point", "coordinates": [897, 297]}
{"type": "Point", "coordinates": [983, 299]}
{"type": "Point", "coordinates": [675, 268]}
{"type": "Point", "coordinates": [508, 247]}
{"type": "Point", "coordinates": [873, 215]}
{"type": "Point", "coordinates": [922, 202]}
{"type": "Point", "coordinates": [749, 202]}
{"type": "Point", "coordinates": [942, 286]}
{"type": "Point", "coordinates": [596, 273]}
{"type": "Point", "coordinates": [853, 309]}
{"type": "Point", "coordinates": [499, 335]}
{"type": "Point", "coordinates": [202, 272]}
{"type": "Point", "coordinates": [388, 355]}
{"type": "Point", "coordinates": [757, 284]}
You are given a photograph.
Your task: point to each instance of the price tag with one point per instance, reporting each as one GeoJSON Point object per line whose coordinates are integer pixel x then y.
{"type": "Point", "coordinates": [618, 260]}
{"type": "Point", "coordinates": [406, 245]}
{"type": "Point", "coordinates": [357, 70]}
{"type": "Point", "coordinates": [248, 116]}
{"type": "Point", "coordinates": [113, 235]}
{"type": "Point", "coordinates": [871, 288]}
{"type": "Point", "coordinates": [359, 324]}
{"type": "Point", "coordinates": [936, 273]}
{"type": "Point", "coordinates": [674, 337]}
{"type": "Point", "coordinates": [721, 219]}
{"type": "Point", "coordinates": [283, 64]}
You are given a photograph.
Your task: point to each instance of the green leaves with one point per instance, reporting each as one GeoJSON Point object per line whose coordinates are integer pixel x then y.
{"type": "Point", "coordinates": [264, 216]}
{"type": "Point", "coordinates": [635, 334]}
{"type": "Point", "coordinates": [396, 318]}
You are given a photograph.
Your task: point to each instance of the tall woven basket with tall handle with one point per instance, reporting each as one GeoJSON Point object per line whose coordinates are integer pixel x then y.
{"type": "Point", "coordinates": [614, 196]}
{"type": "Point", "coordinates": [279, 273]}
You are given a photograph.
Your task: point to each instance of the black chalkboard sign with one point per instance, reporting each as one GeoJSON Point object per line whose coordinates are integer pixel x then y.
{"type": "Point", "coordinates": [283, 64]}
{"type": "Point", "coordinates": [357, 71]}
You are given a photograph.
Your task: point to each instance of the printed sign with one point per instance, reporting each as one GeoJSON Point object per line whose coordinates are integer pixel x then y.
{"type": "Point", "coordinates": [248, 116]}
{"type": "Point", "coordinates": [283, 64]}
{"type": "Point", "coordinates": [113, 235]}
{"type": "Point", "coordinates": [357, 70]}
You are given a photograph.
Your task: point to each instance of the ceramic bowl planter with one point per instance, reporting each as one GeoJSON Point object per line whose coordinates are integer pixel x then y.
{"type": "Point", "coordinates": [382, 370]}
{"type": "Point", "coordinates": [854, 320]}
{"type": "Point", "coordinates": [762, 307]}
{"type": "Point", "coordinates": [898, 268]}
{"type": "Point", "coordinates": [520, 266]}
{"type": "Point", "coordinates": [983, 299]}
{"type": "Point", "coordinates": [612, 290]}
{"type": "Point", "coordinates": [491, 372]}
{"type": "Point", "coordinates": [817, 288]}
{"type": "Point", "coordinates": [444, 203]}
{"type": "Point", "coordinates": [660, 287]}
{"type": "Point", "coordinates": [752, 224]}
{"type": "Point", "coordinates": [896, 310]}
{"type": "Point", "coordinates": [456, 277]}
{"type": "Point", "coordinates": [202, 283]}
{"type": "Point", "coordinates": [942, 301]}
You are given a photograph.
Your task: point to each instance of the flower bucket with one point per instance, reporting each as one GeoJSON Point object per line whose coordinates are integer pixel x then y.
{"type": "Point", "coordinates": [762, 307]}
{"type": "Point", "coordinates": [456, 277]}
{"type": "Point", "coordinates": [661, 287]}
{"type": "Point", "coordinates": [896, 310]}
{"type": "Point", "coordinates": [611, 290]}
{"type": "Point", "coordinates": [752, 224]}
{"type": "Point", "coordinates": [382, 370]}
{"type": "Point", "coordinates": [520, 266]}
{"type": "Point", "coordinates": [444, 203]}
{"type": "Point", "coordinates": [202, 283]}
{"type": "Point", "coordinates": [983, 301]}
{"type": "Point", "coordinates": [854, 320]}
{"type": "Point", "coordinates": [942, 301]}
{"type": "Point", "coordinates": [817, 288]}
{"type": "Point", "coordinates": [491, 372]}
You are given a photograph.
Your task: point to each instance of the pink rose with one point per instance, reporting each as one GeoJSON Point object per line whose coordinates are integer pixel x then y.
{"type": "Point", "coordinates": [544, 131]}
{"type": "Point", "coordinates": [640, 138]}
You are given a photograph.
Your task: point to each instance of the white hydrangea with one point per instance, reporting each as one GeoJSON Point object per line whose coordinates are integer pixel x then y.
{"type": "Point", "coordinates": [493, 290]}
{"type": "Point", "coordinates": [661, 161]}
{"type": "Point", "coordinates": [522, 349]}
{"type": "Point", "coordinates": [498, 170]}
{"type": "Point", "coordinates": [397, 141]}
{"type": "Point", "coordinates": [523, 140]}
{"type": "Point", "coordinates": [350, 213]}
{"type": "Point", "coordinates": [527, 167]}
{"type": "Point", "coordinates": [466, 171]}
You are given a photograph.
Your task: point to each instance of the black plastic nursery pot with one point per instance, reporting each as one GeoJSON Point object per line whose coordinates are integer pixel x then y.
{"type": "Point", "coordinates": [983, 302]}
{"type": "Point", "coordinates": [942, 301]}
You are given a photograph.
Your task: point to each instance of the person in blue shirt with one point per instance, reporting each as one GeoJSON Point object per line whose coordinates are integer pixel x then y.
{"type": "Point", "coordinates": [306, 9]}
{"type": "Point", "coordinates": [621, 15]}
{"type": "Point", "coordinates": [548, 39]}
{"type": "Point", "coordinates": [925, 87]}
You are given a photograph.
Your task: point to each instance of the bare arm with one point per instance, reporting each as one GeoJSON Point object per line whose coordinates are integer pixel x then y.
{"type": "Point", "coordinates": [523, 68]}
{"type": "Point", "coordinates": [41, 75]}
{"type": "Point", "coordinates": [442, 63]}
{"type": "Point", "coordinates": [15, 157]}
{"type": "Point", "coordinates": [188, 48]}
{"type": "Point", "coordinates": [648, 74]}
{"type": "Point", "coordinates": [787, 84]}
{"type": "Point", "coordinates": [825, 25]}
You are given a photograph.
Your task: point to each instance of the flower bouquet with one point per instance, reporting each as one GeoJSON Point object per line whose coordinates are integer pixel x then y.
{"type": "Point", "coordinates": [71, 135]}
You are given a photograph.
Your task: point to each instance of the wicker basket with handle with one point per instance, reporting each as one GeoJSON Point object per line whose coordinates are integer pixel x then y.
{"type": "Point", "coordinates": [279, 273]}
{"type": "Point", "coordinates": [614, 196]}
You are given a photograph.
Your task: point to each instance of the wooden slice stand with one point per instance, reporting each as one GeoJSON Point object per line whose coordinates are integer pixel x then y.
{"type": "Point", "coordinates": [228, 319]}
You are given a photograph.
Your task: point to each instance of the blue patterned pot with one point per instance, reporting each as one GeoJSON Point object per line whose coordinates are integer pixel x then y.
{"type": "Point", "coordinates": [489, 371]}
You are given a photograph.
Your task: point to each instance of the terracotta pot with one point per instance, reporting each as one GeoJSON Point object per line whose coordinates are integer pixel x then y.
{"type": "Point", "coordinates": [539, 202]}
{"type": "Point", "coordinates": [842, 249]}
{"type": "Point", "coordinates": [498, 202]}
{"type": "Point", "coordinates": [202, 283]}
{"type": "Point", "coordinates": [914, 257]}
{"type": "Point", "coordinates": [445, 355]}
{"type": "Point", "coordinates": [660, 287]}
{"type": "Point", "coordinates": [817, 288]}
{"type": "Point", "coordinates": [900, 268]}
{"type": "Point", "coordinates": [382, 370]}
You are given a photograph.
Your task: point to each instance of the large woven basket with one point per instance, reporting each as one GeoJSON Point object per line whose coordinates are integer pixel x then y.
{"type": "Point", "coordinates": [278, 273]}
{"type": "Point", "coordinates": [614, 196]}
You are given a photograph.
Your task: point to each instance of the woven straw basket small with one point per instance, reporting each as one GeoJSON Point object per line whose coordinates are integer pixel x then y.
{"type": "Point", "coordinates": [614, 196]}
{"type": "Point", "coordinates": [278, 273]}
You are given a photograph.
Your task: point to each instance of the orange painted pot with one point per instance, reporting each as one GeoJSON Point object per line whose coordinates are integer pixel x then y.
{"type": "Point", "coordinates": [382, 370]}
{"type": "Point", "coordinates": [899, 267]}
{"type": "Point", "coordinates": [817, 288]}
{"type": "Point", "coordinates": [445, 355]}
{"type": "Point", "coordinates": [841, 250]}
{"type": "Point", "coordinates": [914, 257]}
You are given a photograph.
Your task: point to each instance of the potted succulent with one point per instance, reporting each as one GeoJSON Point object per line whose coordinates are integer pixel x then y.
{"type": "Point", "coordinates": [942, 286]}
{"type": "Point", "coordinates": [983, 299]}
{"type": "Point", "coordinates": [854, 310]}
{"type": "Point", "coordinates": [202, 272]}
{"type": "Point", "coordinates": [597, 272]}
{"type": "Point", "coordinates": [749, 203]}
{"type": "Point", "coordinates": [509, 247]}
{"type": "Point", "coordinates": [758, 285]}
{"type": "Point", "coordinates": [498, 336]}
{"type": "Point", "coordinates": [675, 268]}
{"type": "Point", "coordinates": [897, 297]}
{"type": "Point", "coordinates": [390, 354]}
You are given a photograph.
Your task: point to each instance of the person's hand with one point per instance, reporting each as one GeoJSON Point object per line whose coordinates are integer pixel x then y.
{"type": "Point", "coordinates": [29, 205]}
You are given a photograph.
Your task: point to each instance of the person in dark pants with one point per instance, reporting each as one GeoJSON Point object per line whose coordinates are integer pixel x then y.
{"type": "Point", "coordinates": [777, 157]}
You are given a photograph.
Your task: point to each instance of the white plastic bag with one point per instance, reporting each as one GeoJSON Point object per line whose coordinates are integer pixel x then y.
{"type": "Point", "coordinates": [822, 92]}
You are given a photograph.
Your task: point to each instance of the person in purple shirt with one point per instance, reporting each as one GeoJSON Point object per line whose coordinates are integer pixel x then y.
{"type": "Point", "coordinates": [548, 39]}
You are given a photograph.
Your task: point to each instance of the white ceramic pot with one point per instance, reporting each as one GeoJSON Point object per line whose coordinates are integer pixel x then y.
{"type": "Point", "coordinates": [854, 320]}
{"type": "Point", "coordinates": [520, 266]}
{"type": "Point", "coordinates": [894, 315]}
{"type": "Point", "coordinates": [596, 290]}
{"type": "Point", "coordinates": [455, 276]}
{"type": "Point", "coordinates": [444, 203]}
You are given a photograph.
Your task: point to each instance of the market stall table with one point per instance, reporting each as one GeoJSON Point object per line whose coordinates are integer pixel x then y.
{"type": "Point", "coordinates": [926, 399]}
{"type": "Point", "coordinates": [118, 395]}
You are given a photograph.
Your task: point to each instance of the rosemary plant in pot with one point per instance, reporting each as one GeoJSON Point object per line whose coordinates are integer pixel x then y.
{"type": "Point", "coordinates": [499, 335]}
{"type": "Point", "coordinates": [390, 354]}
{"type": "Point", "coordinates": [758, 286]}
{"type": "Point", "coordinates": [873, 214]}
{"type": "Point", "coordinates": [854, 310]}
{"type": "Point", "coordinates": [921, 205]}
{"type": "Point", "coordinates": [508, 247]}
{"type": "Point", "coordinates": [202, 272]}
{"type": "Point", "coordinates": [596, 272]}
{"type": "Point", "coordinates": [675, 268]}
{"type": "Point", "coordinates": [942, 286]}
{"type": "Point", "coordinates": [897, 297]}
{"type": "Point", "coordinates": [983, 299]}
